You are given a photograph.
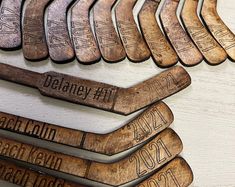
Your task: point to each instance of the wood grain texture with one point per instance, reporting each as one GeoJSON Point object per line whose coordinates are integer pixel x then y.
{"type": "Point", "coordinates": [176, 173]}
{"type": "Point", "coordinates": [219, 30]}
{"type": "Point", "coordinates": [10, 26]}
{"type": "Point", "coordinates": [34, 39]}
{"type": "Point", "coordinates": [142, 128]}
{"type": "Point", "coordinates": [204, 113]}
{"type": "Point", "coordinates": [109, 42]}
{"type": "Point", "coordinates": [58, 39]}
{"type": "Point", "coordinates": [135, 46]}
{"type": "Point", "coordinates": [25, 177]}
{"type": "Point", "coordinates": [162, 52]}
{"type": "Point", "coordinates": [162, 149]}
{"type": "Point", "coordinates": [188, 53]}
{"type": "Point", "coordinates": [213, 53]}
{"type": "Point", "coordinates": [100, 95]}
{"type": "Point", "coordinates": [85, 44]}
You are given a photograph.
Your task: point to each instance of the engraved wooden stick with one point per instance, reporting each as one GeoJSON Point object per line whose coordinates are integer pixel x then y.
{"type": "Point", "coordinates": [143, 127]}
{"type": "Point", "coordinates": [177, 173]}
{"type": "Point", "coordinates": [99, 95]}
{"type": "Point", "coordinates": [211, 50]}
{"type": "Point", "coordinates": [162, 149]}
{"type": "Point", "coordinates": [162, 52]}
{"type": "Point", "coordinates": [24, 177]}
{"type": "Point", "coordinates": [109, 42]}
{"type": "Point", "coordinates": [185, 48]}
{"type": "Point", "coordinates": [135, 46]}
{"type": "Point", "coordinates": [86, 47]}
{"type": "Point", "coordinates": [58, 39]}
{"type": "Point", "coordinates": [217, 27]}
{"type": "Point", "coordinates": [10, 29]}
{"type": "Point", "coordinates": [34, 39]}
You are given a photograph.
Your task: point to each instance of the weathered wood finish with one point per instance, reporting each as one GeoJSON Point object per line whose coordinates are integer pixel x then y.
{"type": "Point", "coordinates": [134, 44]}
{"type": "Point", "coordinates": [34, 39]}
{"type": "Point", "coordinates": [145, 126]}
{"type": "Point", "coordinates": [176, 173]}
{"type": "Point", "coordinates": [10, 27]}
{"type": "Point", "coordinates": [162, 52]}
{"type": "Point", "coordinates": [109, 42]}
{"type": "Point", "coordinates": [100, 95]}
{"type": "Point", "coordinates": [58, 39]}
{"type": "Point", "coordinates": [211, 50]}
{"type": "Point", "coordinates": [24, 177]}
{"type": "Point", "coordinates": [162, 149]}
{"type": "Point", "coordinates": [217, 27]}
{"type": "Point", "coordinates": [86, 47]}
{"type": "Point", "coordinates": [183, 45]}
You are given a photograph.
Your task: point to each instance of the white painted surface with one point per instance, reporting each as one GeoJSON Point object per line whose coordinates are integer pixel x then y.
{"type": "Point", "coordinates": [204, 113]}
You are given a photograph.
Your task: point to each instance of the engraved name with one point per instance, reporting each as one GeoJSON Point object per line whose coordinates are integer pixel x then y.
{"type": "Point", "coordinates": [12, 150]}
{"type": "Point", "coordinates": [45, 159]}
{"type": "Point", "coordinates": [23, 177]}
{"type": "Point", "coordinates": [106, 34]}
{"type": "Point", "coordinates": [9, 21]}
{"type": "Point", "coordinates": [129, 33]}
{"type": "Point", "coordinates": [27, 127]}
{"type": "Point", "coordinates": [181, 42]}
{"type": "Point", "coordinates": [156, 42]}
{"type": "Point", "coordinates": [225, 37]}
{"type": "Point", "coordinates": [16, 176]}
{"type": "Point", "coordinates": [147, 159]}
{"type": "Point", "coordinates": [33, 31]}
{"type": "Point", "coordinates": [80, 91]}
{"type": "Point", "coordinates": [82, 35]}
{"type": "Point", "coordinates": [57, 34]}
{"type": "Point", "coordinates": [42, 181]}
{"type": "Point", "coordinates": [202, 38]}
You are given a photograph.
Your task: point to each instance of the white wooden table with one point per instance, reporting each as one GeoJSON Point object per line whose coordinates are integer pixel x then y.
{"type": "Point", "coordinates": [204, 113]}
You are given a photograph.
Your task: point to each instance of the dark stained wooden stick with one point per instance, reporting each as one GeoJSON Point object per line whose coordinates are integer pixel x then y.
{"type": "Point", "coordinates": [135, 46]}
{"type": "Point", "coordinates": [10, 28]}
{"type": "Point", "coordinates": [145, 126]}
{"type": "Point", "coordinates": [58, 39]}
{"type": "Point", "coordinates": [162, 149]}
{"type": "Point", "coordinates": [211, 50]}
{"type": "Point", "coordinates": [175, 174]}
{"type": "Point", "coordinates": [188, 53]}
{"type": "Point", "coordinates": [100, 95]}
{"type": "Point", "coordinates": [162, 52]}
{"type": "Point", "coordinates": [86, 47]}
{"type": "Point", "coordinates": [24, 177]}
{"type": "Point", "coordinates": [109, 42]}
{"type": "Point", "coordinates": [217, 27]}
{"type": "Point", "coordinates": [34, 39]}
